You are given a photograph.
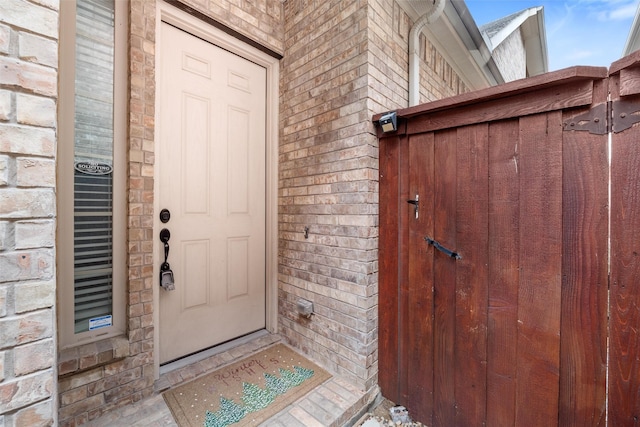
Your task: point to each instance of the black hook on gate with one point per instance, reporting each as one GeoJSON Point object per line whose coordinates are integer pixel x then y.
{"type": "Point", "coordinates": [442, 249]}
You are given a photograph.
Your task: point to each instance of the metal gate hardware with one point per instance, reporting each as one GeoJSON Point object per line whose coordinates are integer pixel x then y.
{"type": "Point", "coordinates": [624, 114]}
{"type": "Point", "coordinates": [415, 204]}
{"type": "Point", "coordinates": [594, 120]}
{"type": "Point", "coordinates": [612, 116]}
{"type": "Point", "coordinates": [442, 249]}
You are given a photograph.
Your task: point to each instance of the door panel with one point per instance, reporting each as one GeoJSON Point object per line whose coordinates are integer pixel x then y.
{"type": "Point", "coordinates": [211, 171]}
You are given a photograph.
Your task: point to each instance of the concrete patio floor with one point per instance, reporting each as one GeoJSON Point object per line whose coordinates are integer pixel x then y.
{"type": "Point", "coordinates": [335, 403]}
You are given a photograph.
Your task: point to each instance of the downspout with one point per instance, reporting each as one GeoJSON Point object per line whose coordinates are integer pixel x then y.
{"type": "Point", "coordinates": [414, 42]}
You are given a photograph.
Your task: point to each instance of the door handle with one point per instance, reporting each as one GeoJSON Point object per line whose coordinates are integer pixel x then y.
{"type": "Point", "coordinates": [166, 274]}
{"type": "Point", "coordinates": [416, 204]}
{"type": "Point", "coordinates": [442, 249]}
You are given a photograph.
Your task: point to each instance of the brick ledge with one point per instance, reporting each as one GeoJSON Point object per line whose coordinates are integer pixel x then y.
{"type": "Point", "coordinates": [84, 357]}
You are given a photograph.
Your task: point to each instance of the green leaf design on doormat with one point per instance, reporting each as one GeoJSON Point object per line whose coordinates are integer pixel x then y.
{"type": "Point", "coordinates": [229, 413]}
{"type": "Point", "coordinates": [277, 385]}
{"type": "Point", "coordinates": [255, 398]}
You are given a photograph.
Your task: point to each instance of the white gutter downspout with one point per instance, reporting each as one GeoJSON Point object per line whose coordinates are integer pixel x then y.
{"type": "Point", "coordinates": [414, 56]}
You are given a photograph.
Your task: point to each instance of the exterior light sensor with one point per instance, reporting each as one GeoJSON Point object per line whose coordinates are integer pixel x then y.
{"type": "Point", "coordinates": [389, 122]}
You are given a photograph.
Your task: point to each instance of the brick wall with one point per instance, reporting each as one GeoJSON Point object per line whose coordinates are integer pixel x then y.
{"type": "Point", "coordinates": [328, 183]}
{"type": "Point", "coordinates": [28, 92]}
{"type": "Point", "coordinates": [438, 79]}
{"type": "Point", "coordinates": [258, 20]}
{"type": "Point", "coordinates": [389, 29]}
{"type": "Point", "coordinates": [343, 62]}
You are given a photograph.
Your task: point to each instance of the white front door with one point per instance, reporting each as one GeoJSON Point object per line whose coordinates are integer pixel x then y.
{"type": "Point", "coordinates": [211, 170]}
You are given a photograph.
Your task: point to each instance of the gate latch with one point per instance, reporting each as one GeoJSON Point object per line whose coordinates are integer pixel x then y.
{"type": "Point", "coordinates": [415, 204]}
{"type": "Point", "coordinates": [442, 249]}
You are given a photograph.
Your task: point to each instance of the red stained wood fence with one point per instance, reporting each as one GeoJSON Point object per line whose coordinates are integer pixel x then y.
{"type": "Point", "coordinates": [529, 327]}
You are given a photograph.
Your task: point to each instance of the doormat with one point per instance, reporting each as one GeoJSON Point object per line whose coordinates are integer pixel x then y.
{"type": "Point", "coordinates": [247, 392]}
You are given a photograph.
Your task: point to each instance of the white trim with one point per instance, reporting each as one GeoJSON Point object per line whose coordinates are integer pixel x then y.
{"type": "Point", "coordinates": [180, 19]}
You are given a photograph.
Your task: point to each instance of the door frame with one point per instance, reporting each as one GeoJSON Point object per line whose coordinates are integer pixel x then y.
{"type": "Point", "coordinates": [191, 24]}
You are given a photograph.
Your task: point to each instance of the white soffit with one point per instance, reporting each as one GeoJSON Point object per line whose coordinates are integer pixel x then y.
{"type": "Point", "coordinates": [633, 39]}
{"type": "Point", "coordinates": [535, 43]}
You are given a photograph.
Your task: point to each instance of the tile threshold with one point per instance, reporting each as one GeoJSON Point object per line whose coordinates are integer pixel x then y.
{"type": "Point", "coordinates": [335, 403]}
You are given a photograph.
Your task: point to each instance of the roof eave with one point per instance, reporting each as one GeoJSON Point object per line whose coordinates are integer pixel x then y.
{"type": "Point", "coordinates": [531, 24]}
{"type": "Point", "coordinates": [535, 43]}
{"type": "Point", "coordinates": [457, 38]}
{"type": "Point", "coordinates": [633, 39]}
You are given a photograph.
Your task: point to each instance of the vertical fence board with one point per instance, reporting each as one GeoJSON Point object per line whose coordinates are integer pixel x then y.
{"type": "Point", "coordinates": [624, 362]}
{"type": "Point", "coordinates": [504, 241]}
{"type": "Point", "coordinates": [540, 269]}
{"type": "Point", "coordinates": [471, 280]}
{"type": "Point", "coordinates": [403, 271]}
{"type": "Point", "coordinates": [624, 326]}
{"type": "Point", "coordinates": [583, 333]}
{"type": "Point", "coordinates": [445, 271]}
{"type": "Point", "coordinates": [389, 267]}
{"type": "Point", "coordinates": [420, 308]}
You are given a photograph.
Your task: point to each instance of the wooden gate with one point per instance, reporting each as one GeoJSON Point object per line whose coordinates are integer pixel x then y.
{"type": "Point", "coordinates": [496, 303]}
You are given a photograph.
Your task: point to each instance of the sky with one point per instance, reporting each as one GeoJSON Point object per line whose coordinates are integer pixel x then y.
{"type": "Point", "coordinates": [579, 32]}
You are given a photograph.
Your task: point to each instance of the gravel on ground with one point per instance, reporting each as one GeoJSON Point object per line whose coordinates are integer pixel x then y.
{"type": "Point", "coordinates": [380, 416]}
